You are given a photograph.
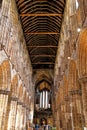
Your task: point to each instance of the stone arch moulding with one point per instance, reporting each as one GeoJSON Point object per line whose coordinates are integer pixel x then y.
{"type": "Point", "coordinates": [20, 93]}
{"type": "Point", "coordinates": [82, 54]}
{"type": "Point", "coordinates": [24, 94]}
{"type": "Point", "coordinates": [43, 78]}
{"type": "Point", "coordinates": [14, 86]}
{"type": "Point", "coordinates": [5, 75]}
{"type": "Point", "coordinates": [43, 75]}
{"type": "Point", "coordinates": [27, 99]}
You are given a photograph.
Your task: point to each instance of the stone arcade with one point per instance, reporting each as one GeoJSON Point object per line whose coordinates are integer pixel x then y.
{"type": "Point", "coordinates": [43, 64]}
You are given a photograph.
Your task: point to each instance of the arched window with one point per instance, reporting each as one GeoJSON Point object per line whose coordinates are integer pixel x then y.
{"type": "Point", "coordinates": [77, 4]}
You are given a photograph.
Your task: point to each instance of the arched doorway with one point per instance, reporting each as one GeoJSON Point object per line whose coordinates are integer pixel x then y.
{"type": "Point", "coordinates": [43, 121]}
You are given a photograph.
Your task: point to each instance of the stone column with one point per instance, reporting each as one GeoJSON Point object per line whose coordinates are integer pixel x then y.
{"type": "Point", "coordinates": [18, 124]}
{"type": "Point", "coordinates": [3, 107]}
{"type": "Point", "coordinates": [63, 120]}
{"type": "Point", "coordinates": [20, 117]}
{"type": "Point", "coordinates": [27, 117]}
{"type": "Point", "coordinates": [24, 117]}
{"type": "Point", "coordinates": [57, 121]}
{"type": "Point", "coordinates": [83, 82]}
{"type": "Point", "coordinates": [75, 108]}
{"type": "Point", "coordinates": [55, 113]}
{"type": "Point", "coordinates": [67, 113]}
{"type": "Point", "coordinates": [11, 113]}
{"type": "Point", "coordinates": [56, 118]}
{"type": "Point", "coordinates": [7, 113]}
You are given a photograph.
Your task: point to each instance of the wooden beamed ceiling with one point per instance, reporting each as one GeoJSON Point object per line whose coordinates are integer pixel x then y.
{"type": "Point", "coordinates": [41, 22]}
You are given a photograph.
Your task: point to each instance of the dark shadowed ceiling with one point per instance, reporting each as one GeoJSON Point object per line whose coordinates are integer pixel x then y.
{"type": "Point", "coordinates": [41, 21]}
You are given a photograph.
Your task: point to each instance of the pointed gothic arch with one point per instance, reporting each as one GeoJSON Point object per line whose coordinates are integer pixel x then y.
{"type": "Point", "coordinates": [82, 53]}
{"type": "Point", "coordinates": [20, 93]}
{"type": "Point", "coordinates": [5, 75]}
{"type": "Point", "coordinates": [14, 86]}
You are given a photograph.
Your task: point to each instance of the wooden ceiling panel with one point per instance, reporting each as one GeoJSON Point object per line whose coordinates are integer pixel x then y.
{"type": "Point", "coordinates": [41, 6]}
{"type": "Point", "coordinates": [41, 22]}
{"type": "Point", "coordinates": [42, 51]}
{"type": "Point", "coordinates": [42, 39]}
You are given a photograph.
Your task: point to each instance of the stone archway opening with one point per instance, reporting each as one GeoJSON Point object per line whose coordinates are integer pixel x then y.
{"type": "Point", "coordinates": [43, 121]}
{"type": "Point", "coordinates": [82, 70]}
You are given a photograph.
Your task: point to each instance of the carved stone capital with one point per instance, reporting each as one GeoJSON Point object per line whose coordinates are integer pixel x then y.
{"type": "Point", "coordinates": [20, 103]}
{"type": "Point", "coordinates": [74, 92]}
{"type": "Point", "coordinates": [13, 98]}
{"type": "Point", "coordinates": [83, 79]}
{"type": "Point", "coordinates": [5, 92]}
{"type": "Point", "coordinates": [1, 46]}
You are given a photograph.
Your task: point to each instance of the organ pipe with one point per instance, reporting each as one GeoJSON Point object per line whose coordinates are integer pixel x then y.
{"type": "Point", "coordinates": [41, 100]}
{"type": "Point", "coordinates": [44, 99]}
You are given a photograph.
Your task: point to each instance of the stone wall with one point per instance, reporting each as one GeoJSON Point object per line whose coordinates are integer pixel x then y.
{"type": "Point", "coordinates": [13, 42]}
{"type": "Point", "coordinates": [16, 87]}
{"type": "Point", "coordinates": [70, 75]}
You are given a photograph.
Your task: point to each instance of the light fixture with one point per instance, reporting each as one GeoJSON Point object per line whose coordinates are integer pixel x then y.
{"type": "Point", "coordinates": [9, 57]}
{"type": "Point", "coordinates": [69, 58]}
{"type": "Point", "coordinates": [78, 29]}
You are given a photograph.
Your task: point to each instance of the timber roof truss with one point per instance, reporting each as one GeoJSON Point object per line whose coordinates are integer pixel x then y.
{"type": "Point", "coordinates": [41, 22]}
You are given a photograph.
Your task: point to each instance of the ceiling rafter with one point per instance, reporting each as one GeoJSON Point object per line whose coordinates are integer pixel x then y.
{"type": "Point", "coordinates": [50, 9]}
{"type": "Point", "coordinates": [42, 46]}
{"type": "Point", "coordinates": [41, 33]}
{"type": "Point", "coordinates": [47, 14]}
{"type": "Point", "coordinates": [41, 38]}
{"type": "Point", "coordinates": [43, 59]}
{"type": "Point", "coordinates": [34, 4]}
{"type": "Point", "coordinates": [41, 22]}
{"type": "Point", "coordinates": [43, 63]}
{"type": "Point", "coordinates": [43, 49]}
{"type": "Point", "coordinates": [34, 28]}
{"type": "Point", "coordinates": [43, 55]}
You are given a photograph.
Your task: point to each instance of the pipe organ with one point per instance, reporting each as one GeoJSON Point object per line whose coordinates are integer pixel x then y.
{"type": "Point", "coordinates": [44, 99]}
{"type": "Point", "coordinates": [43, 96]}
